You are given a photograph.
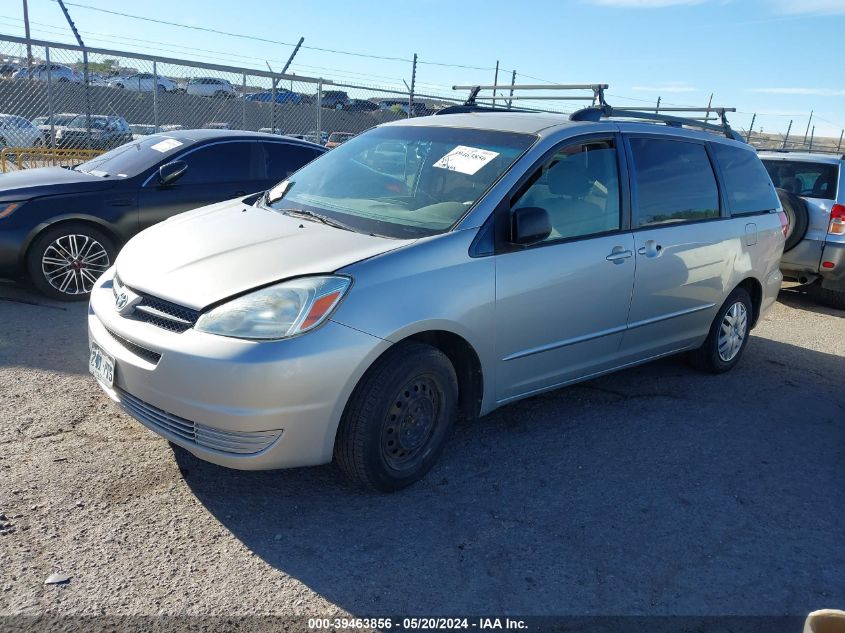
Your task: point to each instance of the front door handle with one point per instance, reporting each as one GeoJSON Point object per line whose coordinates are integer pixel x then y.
{"type": "Point", "coordinates": [650, 249]}
{"type": "Point", "coordinates": [618, 254]}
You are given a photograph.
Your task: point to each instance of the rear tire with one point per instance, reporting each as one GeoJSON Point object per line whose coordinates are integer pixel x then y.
{"type": "Point", "coordinates": [797, 215]}
{"type": "Point", "coordinates": [398, 418]}
{"type": "Point", "coordinates": [728, 335]}
{"type": "Point", "coordinates": [65, 261]}
{"type": "Point", "coordinates": [825, 296]}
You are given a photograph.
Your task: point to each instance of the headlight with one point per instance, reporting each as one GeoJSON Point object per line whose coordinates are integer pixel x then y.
{"type": "Point", "coordinates": [8, 208]}
{"type": "Point", "coordinates": [279, 311]}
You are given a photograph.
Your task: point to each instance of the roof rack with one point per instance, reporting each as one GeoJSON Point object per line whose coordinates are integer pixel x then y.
{"type": "Point", "coordinates": [596, 98]}
{"type": "Point", "coordinates": [597, 113]}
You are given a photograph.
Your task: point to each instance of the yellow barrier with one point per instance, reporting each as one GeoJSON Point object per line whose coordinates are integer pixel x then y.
{"type": "Point", "coordinates": [29, 157]}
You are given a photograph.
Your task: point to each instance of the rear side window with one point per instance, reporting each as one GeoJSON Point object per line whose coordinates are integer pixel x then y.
{"type": "Point", "coordinates": [813, 180]}
{"type": "Point", "coordinates": [748, 186]}
{"type": "Point", "coordinates": [221, 162]}
{"type": "Point", "coordinates": [283, 159]}
{"type": "Point", "coordinates": [675, 182]}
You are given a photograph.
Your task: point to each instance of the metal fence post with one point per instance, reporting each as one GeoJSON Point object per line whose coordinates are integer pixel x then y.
{"type": "Point", "coordinates": [52, 142]}
{"type": "Point", "coordinates": [273, 105]}
{"type": "Point", "coordinates": [750, 128]}
{"type": "Point", "coordinates": [839, 147]}
{"type": "Point", "coordinates": [243, 103]}
{"type": "Point", "coordinates": [657, 107]}
{"type": "Point", "coordinates": [411, 91]}
{"type": "Point", "coordinates": [513, 83]}
{"type": "Point", "coordinates": [495, 83]}
{"type": "Point", "coordinates": [812, 135]}
{"type": "Point", "coordinates": [319, 111]}
{"type": "Point", "coordinates": [809, 121]}
{"type": "Point", "coordinates": [87, 79]}
{"type": "Point", "coordinates": [155, 96]}
{"type": "Point", "coordinates": [785, 138]}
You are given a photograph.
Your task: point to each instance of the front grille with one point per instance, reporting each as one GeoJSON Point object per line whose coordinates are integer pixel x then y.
{"type": "Point", "coordinates": [147, 354]}
{"type": "Point", "coordinates": [164, 314]}
{"type": "Point", "coordinates": [236, 442]}
{"type": "Point", "coordinates": [159, 312]}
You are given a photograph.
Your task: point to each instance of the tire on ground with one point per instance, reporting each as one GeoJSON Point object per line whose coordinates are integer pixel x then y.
{"type": "Point", "coordinates": [797, 215]}
{"type": "Point", "coordinates": [373, 421]}
{"type": "Point", "coordinates": [46, 238]}
{"type": "Point", "coordinates": [706, 358]}
{"type": "Point", "coordinates": [831, 298]}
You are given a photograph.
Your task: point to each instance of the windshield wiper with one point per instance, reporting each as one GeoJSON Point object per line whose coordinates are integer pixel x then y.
{"type": "Point", "coordinates": [319, 217]}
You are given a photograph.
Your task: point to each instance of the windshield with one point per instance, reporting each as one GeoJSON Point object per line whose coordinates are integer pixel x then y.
{"type": "Point", "coordinates": [403, 182]}
{"type": "Point", "coordinates": [134, 157]}
{"type": "Point", "coordinates": [81, 121]}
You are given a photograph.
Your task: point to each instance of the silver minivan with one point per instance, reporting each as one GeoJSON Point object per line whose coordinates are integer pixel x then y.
{"type": "Point", "coordinates": [432, 269]}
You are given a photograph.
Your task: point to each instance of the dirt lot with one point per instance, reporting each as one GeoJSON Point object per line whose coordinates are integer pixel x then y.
{"type": "Point", "coordinates": [657, 490]}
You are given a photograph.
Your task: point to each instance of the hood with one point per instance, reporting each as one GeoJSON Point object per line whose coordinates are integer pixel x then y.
{"type": "Point", "coordinates": [48, 181]}
{"type": "Point", "coordinates": [203, 256]}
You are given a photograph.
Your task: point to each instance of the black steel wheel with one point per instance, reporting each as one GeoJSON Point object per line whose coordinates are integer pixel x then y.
{"type": "Point", "coordinates": [398, 418]}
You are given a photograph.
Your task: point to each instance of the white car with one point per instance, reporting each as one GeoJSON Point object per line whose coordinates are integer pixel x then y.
{"type": "Point", "coordinates": [140, 130]}
{"type": "Point", "coordinates": [210, 87]}
{"type": "Point", "coordinates": [16, 131]}
{"type": "Point", "coordinates": [57, 72]}
{"type": "Point", "coordinates": [144, 82]}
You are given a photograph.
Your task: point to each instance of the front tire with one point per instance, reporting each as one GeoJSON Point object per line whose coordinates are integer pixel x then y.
{"type": "Point", "coordinates": [64, 262]}
{"type": "Point", "coordinates": [728, 335]}
{"type": "Point", "coordinates": [398, 418]}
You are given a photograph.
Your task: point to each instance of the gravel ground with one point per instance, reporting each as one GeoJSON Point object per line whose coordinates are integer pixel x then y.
{"type": "Point", "coordinates": [653, 491]}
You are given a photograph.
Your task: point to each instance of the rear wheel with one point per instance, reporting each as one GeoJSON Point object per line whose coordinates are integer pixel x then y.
{"type": "Point", "coordinates": [797, 215]}
{"type": "Point", "coordinates": [728, 335]}
{"type": "Point", "coordinates": [64, 262]}
{"type": "Point", "coordinates": [398, 418]}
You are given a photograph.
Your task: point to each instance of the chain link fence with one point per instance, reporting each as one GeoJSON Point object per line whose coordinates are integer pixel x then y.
{"type": "Point", "coordinates": [59, 97]}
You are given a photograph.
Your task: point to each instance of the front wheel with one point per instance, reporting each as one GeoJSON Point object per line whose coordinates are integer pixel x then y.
{"type": "Point", "coordinates": [728, 335]}
{"type": "Point", "coordinates": [64, 262]}
{"type": "Point", "coordinates": [398, 418]}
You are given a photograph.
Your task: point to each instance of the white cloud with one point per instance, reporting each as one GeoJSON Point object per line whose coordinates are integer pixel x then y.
{"type": "Point", "coordinates": [668, 87]}
{"type": "Point", "coordinates": [642, 4]}
{"type": "Point", "coordinates": [815, 7]}
{"type": "Point", "coordinates": [815, 92]}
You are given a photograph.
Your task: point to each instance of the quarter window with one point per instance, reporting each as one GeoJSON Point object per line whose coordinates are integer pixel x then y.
{"type": "Point", "coordinates": [748, 186]}
{"type": "Point", "coordinates": [675, 182]}
{"type": "Point", "coordinates": [579, 188]}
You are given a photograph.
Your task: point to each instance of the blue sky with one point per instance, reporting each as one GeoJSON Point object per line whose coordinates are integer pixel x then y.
{"type": "Point", "coordinates": [779, 58]}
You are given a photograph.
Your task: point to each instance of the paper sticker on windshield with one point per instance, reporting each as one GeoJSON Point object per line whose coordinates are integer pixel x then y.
{"type": "Point", "coordinates": [466, 160]}
{"type": "Point", "coordinates": [166, 145]}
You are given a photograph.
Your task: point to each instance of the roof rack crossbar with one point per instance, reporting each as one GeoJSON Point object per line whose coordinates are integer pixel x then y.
{"type": "Point", "coordinates": [597, 97]}
{"type": "Point", "coordinates": [607, 112]}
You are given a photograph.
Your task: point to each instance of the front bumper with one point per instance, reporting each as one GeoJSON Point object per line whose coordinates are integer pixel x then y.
{"type": "Point", "coordinates": [221, 397]}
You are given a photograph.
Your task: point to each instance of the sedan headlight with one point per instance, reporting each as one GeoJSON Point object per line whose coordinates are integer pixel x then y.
{"type": "Point", "coordinates": [279, 311]}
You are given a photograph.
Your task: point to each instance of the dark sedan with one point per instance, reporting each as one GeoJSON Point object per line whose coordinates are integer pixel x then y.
{"type": "Point", "coordinates": [63, 227]}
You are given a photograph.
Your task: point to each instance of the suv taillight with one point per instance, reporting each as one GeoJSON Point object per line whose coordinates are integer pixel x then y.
{"type": "Point", "coordinates": [837, 220]}
{"type": "Point", "coordinates": [784, 223]}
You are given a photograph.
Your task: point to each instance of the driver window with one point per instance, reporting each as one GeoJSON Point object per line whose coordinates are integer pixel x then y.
{"type": "Point", "coordinates": [579, 188]}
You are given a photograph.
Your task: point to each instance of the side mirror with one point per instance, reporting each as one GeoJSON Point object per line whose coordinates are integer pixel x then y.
{"type": "Point", "coordinates": [530, 225]}
{"type": "Point", "coordinates": [171, 172]}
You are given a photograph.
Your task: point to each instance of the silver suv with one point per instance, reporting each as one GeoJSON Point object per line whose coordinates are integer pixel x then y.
{"type": "Point", "coordinates": [430, 269]}
{"type": "Point", "coordinates": [813, 195]}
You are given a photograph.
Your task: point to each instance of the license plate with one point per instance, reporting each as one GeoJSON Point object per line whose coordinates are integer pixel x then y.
{"type": "Point", "coordinates": [101, 365]}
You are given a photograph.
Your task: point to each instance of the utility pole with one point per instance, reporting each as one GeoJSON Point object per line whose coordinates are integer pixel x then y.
{"type": "Point", "coordinates": [28, 43]}
{"type": "Point", "coordinates": [808, 127]}
{"type": "Point", "coordinates": [750, 128]}
{"type": "Point", "coordinates": [657, 108]}
{"type": "Point", "coordinates": [84, 71]}
{"type": "Point", "coordinates": [495, 83]}
{"type": "Point", "coordinates": [785, 138]}
{"type": "Point", "coordinates": [411, 89]}
{"type": "Point", "coordinates": [513, 82]}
